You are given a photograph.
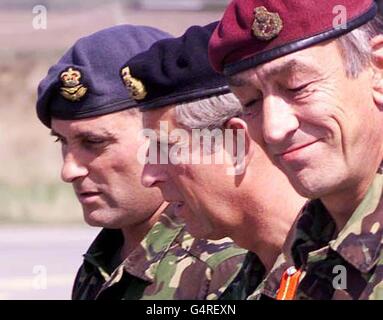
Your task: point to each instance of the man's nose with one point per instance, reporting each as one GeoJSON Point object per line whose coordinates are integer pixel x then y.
{"type": "Point", "coordinates": [72, 169]}
{"type": "Point", "coordinates": [279, 120]}
{"type": "Point", "coordinates": [153, 175]}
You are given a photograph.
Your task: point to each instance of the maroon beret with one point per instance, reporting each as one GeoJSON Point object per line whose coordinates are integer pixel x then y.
{"type": "Point", "coordinates": [253, 32]}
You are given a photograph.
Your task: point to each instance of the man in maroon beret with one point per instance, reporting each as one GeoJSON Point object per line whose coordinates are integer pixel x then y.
{"type": "Point", "coordinates": [309, 75]}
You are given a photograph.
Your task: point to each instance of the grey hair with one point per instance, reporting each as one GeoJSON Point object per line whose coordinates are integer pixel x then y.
{"type": "Point", "coordinates": [355, 46]}
{"type": "Point", "coordinates": [210, 113]}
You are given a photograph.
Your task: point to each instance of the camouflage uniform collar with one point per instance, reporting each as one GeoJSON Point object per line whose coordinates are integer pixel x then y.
{"type": "Point", "coordinates": [143, 261]}
{"type": "Point", "coordinates": [247, 280]}
{"type": "Point", "coordinates": [101, 255]}
{"type": "Point", "coordinates": [359, 242]}
{"type": "Point", "coordinates": [103, 251]}
{"type": "Point", "coordinates": [314, 228]}
{"type": "Point", "coordinates": [268, 287]}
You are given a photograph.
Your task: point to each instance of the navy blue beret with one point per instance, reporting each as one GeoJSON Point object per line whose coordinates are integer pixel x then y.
{"type": "Point", "coordinates": [85, 82]}
{"type": "Point", "coordinates": [174, 70]}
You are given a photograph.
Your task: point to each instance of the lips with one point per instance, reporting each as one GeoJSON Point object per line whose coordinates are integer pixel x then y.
{"type": "Point", "coordinates": [295, 149]}
{"type": "Point", "coordinates": [88, 196]}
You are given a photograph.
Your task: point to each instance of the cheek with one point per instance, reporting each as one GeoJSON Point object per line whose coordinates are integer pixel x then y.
{"type": "Point", "coordinates": [123, 159]}
{"type": "Point", "coordinates": [181, 175]}
{"type": "Point", "coordinates": [338, 108]}
{"type": "Point", "coordinates": [189, 179]}
{"type": "Point", "coordinates": [255, 128]}
{"type": "Point", "coordinates": [339, 121]}
{"type": "Point", "coordinates": [255, 132]}
{"type": "Point", "coordinates": [116, 171]}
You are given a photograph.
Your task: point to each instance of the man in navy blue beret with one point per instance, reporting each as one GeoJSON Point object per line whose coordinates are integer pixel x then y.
{"type": "Point", "coordinates": [197, 163]}
{"type": "Point", "coordinates": [143, 252]}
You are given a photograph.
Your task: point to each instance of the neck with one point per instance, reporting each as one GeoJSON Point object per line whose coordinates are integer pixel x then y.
{"type": "Point", "coordinates": [271, 223]}
{"type": "Point", "coordinates": [341, 205]}
{"type": "Point", "coordinates": [133, 235]}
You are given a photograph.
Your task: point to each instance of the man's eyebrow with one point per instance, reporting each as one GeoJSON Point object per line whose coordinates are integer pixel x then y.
{"type": "Point", "coordinates": [55, 134]}
{"type": "Point", "coordinates": [237, 81]}
{"type": "Point", "coordinates": [91, 134]}
{"type": "Point", "coordinates": [291, 65]}
{"type": "Point", "coordinates": [86, 134]}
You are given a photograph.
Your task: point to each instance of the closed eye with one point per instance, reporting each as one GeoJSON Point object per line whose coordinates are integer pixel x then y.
{"type": "Point", "coordinates": [296, 89]}
{"type": "Point", "coordinates": [299, 88]}
{"type": "Point", "coordinates": [95, 143]}
{"type": "Point", "coordinates": [251, 103]}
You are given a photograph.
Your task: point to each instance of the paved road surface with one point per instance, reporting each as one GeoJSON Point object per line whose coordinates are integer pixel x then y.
{"type": "Point", "coordinates": [40, 262]}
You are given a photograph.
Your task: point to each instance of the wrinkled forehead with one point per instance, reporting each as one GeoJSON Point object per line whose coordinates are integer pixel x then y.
{"type": "Point", "coordinates": [105, 124]}
{"type": "Point", "coordinates": [308, 61]}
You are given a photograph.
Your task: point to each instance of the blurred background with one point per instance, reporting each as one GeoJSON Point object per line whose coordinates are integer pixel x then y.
{"type": "Point", "coordinates": [30, 188]}
{"type": "Point", "coordinates": [42, 235]}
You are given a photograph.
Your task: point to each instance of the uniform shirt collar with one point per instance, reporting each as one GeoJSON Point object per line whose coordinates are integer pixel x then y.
{"type": "Point", "coordinates": [247, 280]}
{"type": "Point", "coordinates": [144, 260]}
{"type": "Point", "coordinates": [359, 242]}
{"type": "Point", "coordinates": [102, 253]}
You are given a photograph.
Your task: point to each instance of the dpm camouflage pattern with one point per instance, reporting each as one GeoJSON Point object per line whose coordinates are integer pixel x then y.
{"type": "Point", "coordinates": [357, 249]}
{"type": "Point", "coordinates": [267, 289]}
{"type": "Point", "coordinates": [169, 264]}
{"type": "Point", "coordinates": [247, 280]}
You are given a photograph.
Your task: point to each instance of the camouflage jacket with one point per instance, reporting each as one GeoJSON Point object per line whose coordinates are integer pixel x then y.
{"type": "Point", "coordinates": [168, 264]}
{"type": "Point", "coordinates": [267, 289]}
{"type": "Point", "coordinates": [348, 266]}
{"type": "Point", "coordinates": [247, 280]}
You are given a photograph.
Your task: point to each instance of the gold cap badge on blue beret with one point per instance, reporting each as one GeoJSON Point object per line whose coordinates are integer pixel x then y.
{"type": "Point", "coordinates": [72, 89]}
{"type": "Point", "coordinates": [136, 87]}
{"type": "Point", "coordinates": [267, 25]}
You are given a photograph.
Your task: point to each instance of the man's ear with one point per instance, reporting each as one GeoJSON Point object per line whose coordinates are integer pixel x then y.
{"type": "Point", "coordinates": [236, 129]}
{"type": "Point", "coordinates": [377, 63]}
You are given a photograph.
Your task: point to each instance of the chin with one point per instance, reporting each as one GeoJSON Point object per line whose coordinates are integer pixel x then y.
{"type": "Point", "coordinates": [312, 188]}
{"type": "Point", "coordinates": [91, 221]}
{"type": "Point", "coordinates": [99, 218]}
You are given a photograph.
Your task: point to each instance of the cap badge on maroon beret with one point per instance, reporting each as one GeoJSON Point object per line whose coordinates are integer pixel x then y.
{"type": "Point", "coordinates": [72, 89]}
{"type": "Point", "coordinates": [267, 25]}
{"type": "Point", "coordinates": [136, 87]}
